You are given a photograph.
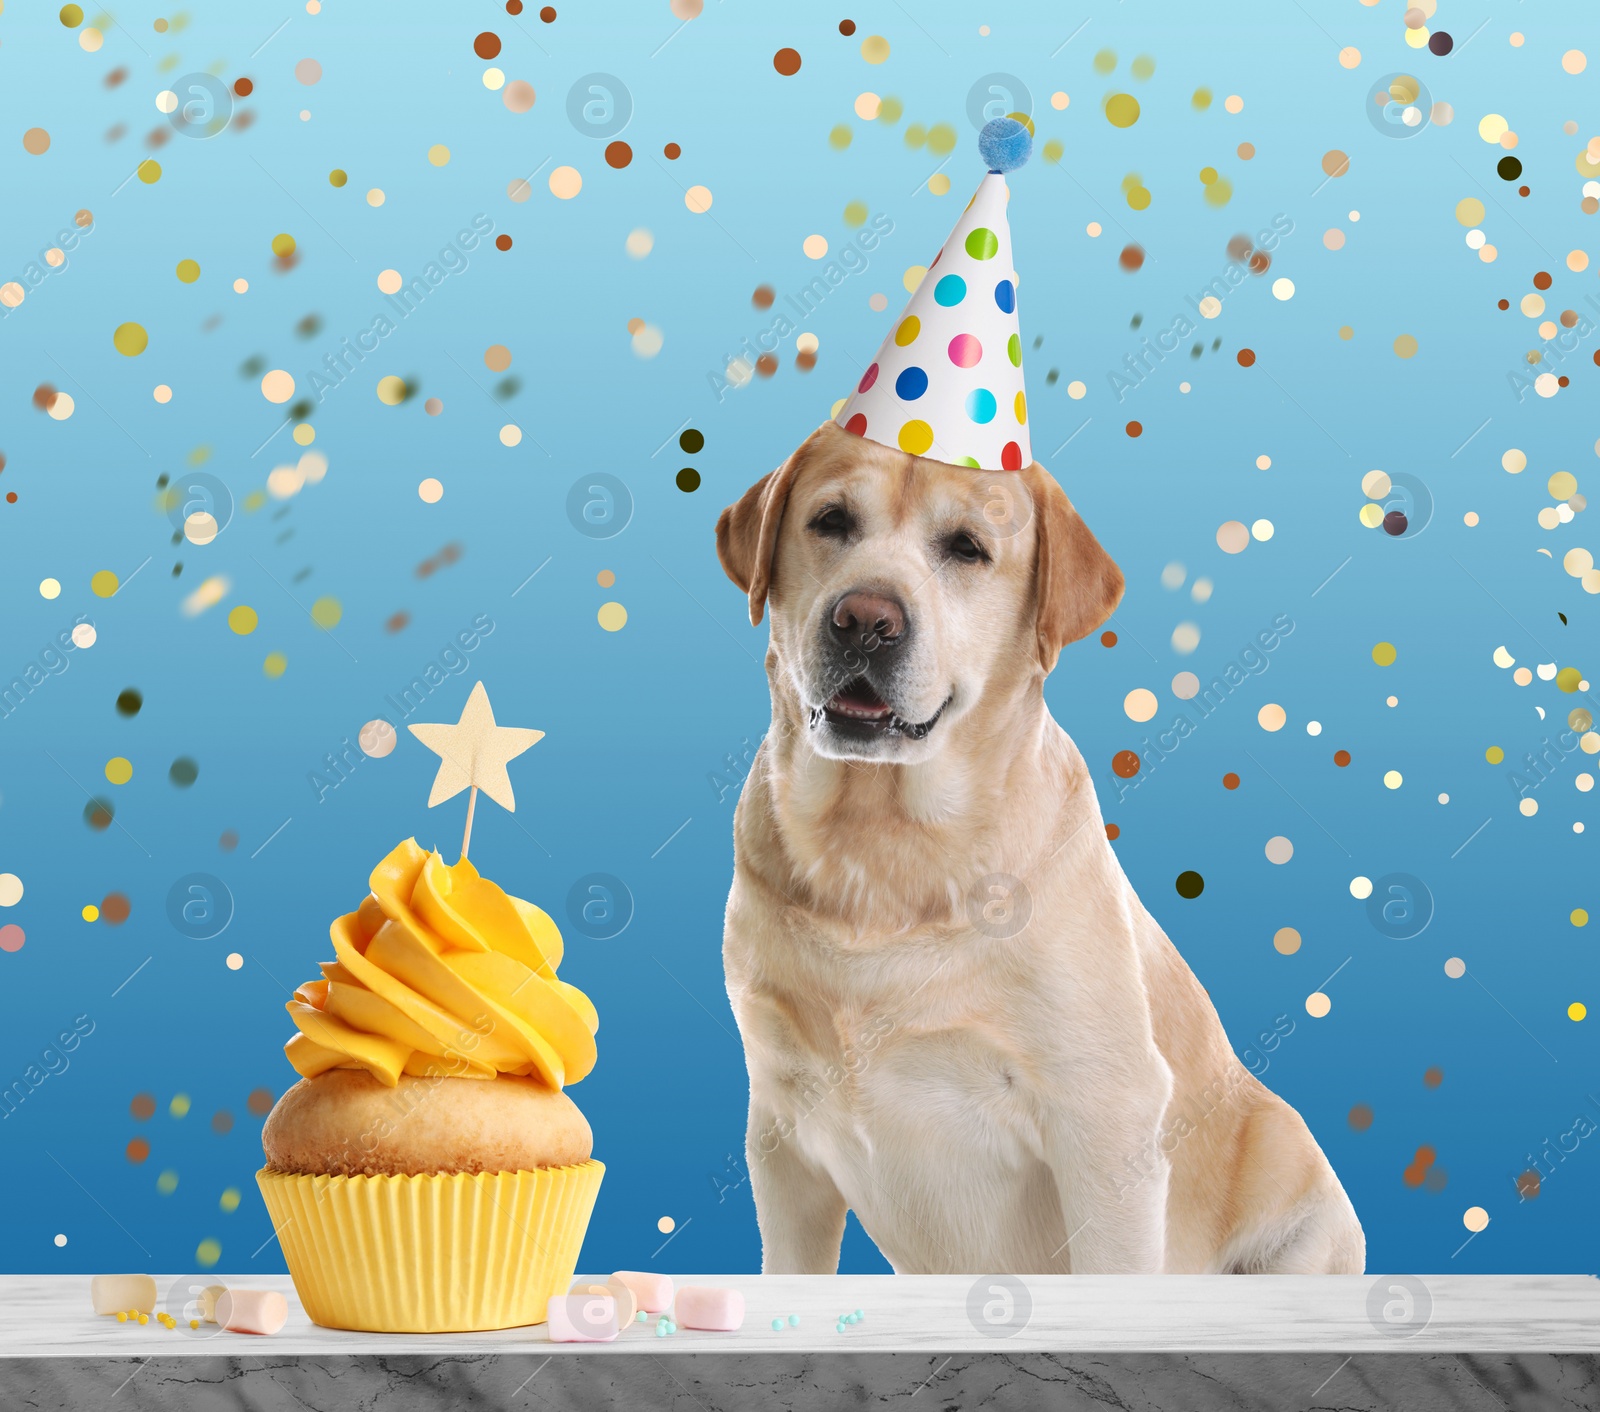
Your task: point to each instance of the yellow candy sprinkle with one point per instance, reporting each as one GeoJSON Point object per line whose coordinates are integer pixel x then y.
{"type": "Point", "coordinates": [144, 1318]}
{"type": "Point", "coordinates": [122, 1317]}
{"type": "Point", "coordinates": [194, 1323]}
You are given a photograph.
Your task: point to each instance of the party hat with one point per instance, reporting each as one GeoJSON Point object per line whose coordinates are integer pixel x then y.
{"type": "Point", "coordinates": [947, 382]}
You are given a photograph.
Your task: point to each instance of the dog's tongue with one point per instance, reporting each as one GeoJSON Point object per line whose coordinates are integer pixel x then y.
{"type": "Point", "coordinates": [859, 700]}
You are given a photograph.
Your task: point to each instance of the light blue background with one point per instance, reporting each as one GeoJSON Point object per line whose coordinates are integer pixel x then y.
{"type": "Point", "coordinates": [638, 721]}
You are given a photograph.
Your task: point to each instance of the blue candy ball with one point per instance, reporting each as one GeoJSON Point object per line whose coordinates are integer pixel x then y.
{"type": "Point", "coordinates": [1004, 144]}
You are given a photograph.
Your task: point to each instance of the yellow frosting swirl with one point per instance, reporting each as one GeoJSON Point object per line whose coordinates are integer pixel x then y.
{"type": "Point", "coordinates": [439, 972]}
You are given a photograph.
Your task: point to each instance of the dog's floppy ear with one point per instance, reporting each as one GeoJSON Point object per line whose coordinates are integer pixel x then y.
{"type": "Point", "coordinates": [747, 533]}
{"type": "Point", "coordinates": [1077, 584]}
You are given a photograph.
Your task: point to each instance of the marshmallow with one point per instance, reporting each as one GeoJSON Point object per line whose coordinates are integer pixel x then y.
{"type": "Point", "coordinates": [582, 1318]}
{"type": "Point", "coordinates": [117, 1294]}
{"type": "Point", "coordinates": [701, 1307]}
{"type": "Point", "coordinates": [252, 1311]}
{"type": "Point", "coordinates": [208, 1301]}
{"type": "Point", "coordinates": [627, 1305]}
{"type": "Point", "coordinates": [654, 1292]}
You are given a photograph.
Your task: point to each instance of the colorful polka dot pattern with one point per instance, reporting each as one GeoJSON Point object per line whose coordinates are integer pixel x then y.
{"type": "Point", "coordinates": [947, 382]}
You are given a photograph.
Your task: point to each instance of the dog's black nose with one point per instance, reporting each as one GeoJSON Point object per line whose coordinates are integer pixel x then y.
{"type": "Point", "coordinates": [865, 619]}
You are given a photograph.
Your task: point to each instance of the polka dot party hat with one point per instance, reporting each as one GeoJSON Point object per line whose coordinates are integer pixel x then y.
{"type": "Point", "coordinates": [947, 382]}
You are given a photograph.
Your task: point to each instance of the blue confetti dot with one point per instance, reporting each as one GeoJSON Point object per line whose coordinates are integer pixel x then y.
{"type": "Point", "coordinates": [1005, 295]}
{"type": "Point", "coordinates": [950, 291]}
{"type": "Point", "coordinates": [911, 384]}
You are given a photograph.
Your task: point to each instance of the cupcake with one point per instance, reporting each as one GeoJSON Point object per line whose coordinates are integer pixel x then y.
{"type": "Point", "coordinates": [428, 1172]}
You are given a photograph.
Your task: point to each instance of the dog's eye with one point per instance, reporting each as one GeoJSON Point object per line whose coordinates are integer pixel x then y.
{"type": "Point", "coordinates": [963, 546]}
{"type": "Point", "coordinates": [832, 522]}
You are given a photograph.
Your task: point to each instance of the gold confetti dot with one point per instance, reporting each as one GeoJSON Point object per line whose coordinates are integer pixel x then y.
{"type": "Point", "coordinates": [375, 197]}
{"type": "Point", "coordinates": [1122, 110]}
{"type": "Point", "coordinates": [1286, 941]}
{"type": "Point", "coordinates": [698, 199]}
{"type": "Point", "coordinates": [1405, 346]}
{"type": "Point", "coordinates": [326, 612]}
{"type": "Point", "coordinates": [438, 154]}
{"type": "Point", "coordinates": [275, 665]}
{"type": "Point", "coordinates": [130, 340]}
{"type": "Point", "coordinates": [612, 616]}
{"type": "Point", "coordinates": [875, 49]}
{"type": "Point", "coordinates": [391, 390]}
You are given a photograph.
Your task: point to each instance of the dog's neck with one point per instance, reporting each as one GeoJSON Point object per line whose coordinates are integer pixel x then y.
{"type": "Point", "coordinates": [884, 846]}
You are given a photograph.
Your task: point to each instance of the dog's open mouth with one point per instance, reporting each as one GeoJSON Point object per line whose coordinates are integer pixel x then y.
{"type": "Point", "coordinates": [857, 704]}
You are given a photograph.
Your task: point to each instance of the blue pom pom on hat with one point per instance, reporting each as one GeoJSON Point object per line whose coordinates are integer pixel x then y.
{"type": "Point", "coordinates": [947, 383]}
{"type": "Point", "coordinates": [1005, 144]}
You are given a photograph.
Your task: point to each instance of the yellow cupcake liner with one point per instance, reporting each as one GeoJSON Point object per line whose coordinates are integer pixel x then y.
{"type": "Point", "coordinates": [433, 1254]}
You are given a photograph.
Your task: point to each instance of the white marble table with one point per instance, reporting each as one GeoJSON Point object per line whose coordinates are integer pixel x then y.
{"type": "Point", "coordinates": [48, 1316]}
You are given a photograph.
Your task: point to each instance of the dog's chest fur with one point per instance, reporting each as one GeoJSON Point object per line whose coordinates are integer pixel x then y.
{"type": "Point", "coordinates": [873, 1055]}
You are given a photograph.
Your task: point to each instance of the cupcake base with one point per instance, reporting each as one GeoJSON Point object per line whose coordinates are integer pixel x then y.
{"type": "Point", "coordinates": [431, 1254]}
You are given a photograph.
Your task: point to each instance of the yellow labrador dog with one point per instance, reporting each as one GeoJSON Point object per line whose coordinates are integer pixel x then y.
{"type": "Point", "coordinates": [959, 1020]}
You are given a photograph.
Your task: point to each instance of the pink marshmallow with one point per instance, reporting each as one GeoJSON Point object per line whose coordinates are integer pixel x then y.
{"type": "Point", "coordinates": [627, 1307]}
{"type": "Point", "coordinates": [702, 1307]}
{"type": "Point", "coordinates": [582, 1318]}
{"type": "Point", "coordinates": [654, 1292]}
{"type": "Point", "coordinates": [252, 1311]}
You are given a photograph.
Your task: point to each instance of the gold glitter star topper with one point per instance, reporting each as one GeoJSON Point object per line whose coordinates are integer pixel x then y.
{"type": "Point", "coordinates": [473, 754]}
